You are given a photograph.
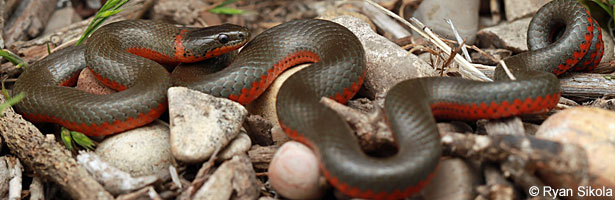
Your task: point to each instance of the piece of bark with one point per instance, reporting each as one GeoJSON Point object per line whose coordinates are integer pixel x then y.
{"type": "Point", "coordinates": [15, 184]}
{"type": "Point", "coordinates": [521, 155]}
{"type": "Point", "coordinates": [113, 179]}
{"type": "Point", "coordinates": [505, 126]}
{"type": "Point", "coordinates": [47, 158]}
{"type": "Point", "coordinates": [36, 49]}
{"type": "Point", "coordinates": [259, 130]}
{"type": "Point", "coordinates": [9, 68]}
{"type": "Point", "coordinates": [146, 193]}
{"type": "Point", "coordinates": [28, 20]}
{"type": "Point", "coordinates": [578, 85]}
{"type": "Point", "coordinates": [497, 186]}
{"type": "Point", "coordinates": [261, 156]}
{"type": "Point", "coordinates": [384, 22]}
{"type": "Point", "coordinates": [4, 178]}
{"type": "Point", "coordinates": [584, 85]}
{"type": "Point", "coordinates": [201, 177]}
{"type": "Point", "coordinates": [515, 167]}
{"type": "Point", "coordinates": [565, 158]}
{"type": "Point", "coordinates": [454, 126]}
{"type": "Point", "coordinates": [495, 192]}
{"type": "Point", "coordinates": [37, 191]}
{"type": "Point", "coordinates": [604, 103]}
{"type": "Point", "coordinates": [244, 182]}
{"type": "Point", "coordinates": [374, 134]}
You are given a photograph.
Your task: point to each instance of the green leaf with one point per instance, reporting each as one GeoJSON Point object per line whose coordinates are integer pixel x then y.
{"type": "Point", "coordinates": [48, 48]}
{"type": "Point", "coordinates": [106, 13]}
{"type": "Point", "coordinates": [12, 101]}
{"type": "Point", "coordinates": [11, 57]}
{"type": "Point", "coordinates": [120, 4]}
{"type": "Point", "coordinates": [108, 4]}
{"type": "Point", "coordinates": [4, 91]}
{"type": "Point", "coordinates": [226, 11]}
{"type": "Point", "coordinates": [66, 138]}
{"type": "Point", "coordinates": [83, 140]}
{"type": "Point", "coordinates": [111, 7]}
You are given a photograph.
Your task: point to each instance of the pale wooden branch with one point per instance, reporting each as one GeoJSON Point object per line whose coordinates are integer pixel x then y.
{"type": "Point", "coordinates": [47, 158]}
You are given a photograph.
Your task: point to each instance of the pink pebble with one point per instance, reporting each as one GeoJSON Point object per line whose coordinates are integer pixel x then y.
{"type": "Point", "coordinates": [87, 82]}
{"type": "Point", "coordinates": [293, 172]}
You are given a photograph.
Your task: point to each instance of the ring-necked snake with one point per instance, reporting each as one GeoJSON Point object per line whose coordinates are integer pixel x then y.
{"type": "Point", "coordinates": [337, 72]}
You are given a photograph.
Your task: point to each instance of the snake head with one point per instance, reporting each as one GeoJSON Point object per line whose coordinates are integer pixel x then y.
{"type": "Point", "coordinates": [214, 40]}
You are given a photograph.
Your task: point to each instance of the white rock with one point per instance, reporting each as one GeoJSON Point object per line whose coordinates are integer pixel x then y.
{"type": "Point", "coordinates": [508, 35]}
{"type": "Point", "coordinates": [140, 152]}
{"type": "Point", "coordinates": [387, 63]}
{"type": "Point", "coordinates": [241, 144]}
{"type": "Point", "coordinates": [516, 9]}
{"type": "Point", "coordinates": [463, 15]}
{"type": "Point", "coordinates": [201, 123]}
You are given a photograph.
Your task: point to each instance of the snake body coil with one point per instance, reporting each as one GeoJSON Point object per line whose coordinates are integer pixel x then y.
{"type": "Point", "coordinates": [337, 72]}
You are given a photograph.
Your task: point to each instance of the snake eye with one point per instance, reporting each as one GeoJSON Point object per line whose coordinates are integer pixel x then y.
{"type": "Point", "coordinates": [222, 38]}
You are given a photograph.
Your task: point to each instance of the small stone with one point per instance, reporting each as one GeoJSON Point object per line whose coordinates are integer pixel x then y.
{"type": "Point", "coordinates": [201, 123]}
{"type": "Point", "coordinates": [463, 15]}
{"type": "Point", "coordinates": [454, 179]}
{"type": "Point", "coordinates": [88, 83]}
{"type": "Point", "coordinates": [294, 173]}
{"type": "Point", "coordinates": [387, 63]}
{"type": "Point", "coordinates": [142, 151]}
{"type": "Point", "coordinates": [516, 9]}
{"type": "Point", "coordinates": [241, 144]}
{"type": "Point", "coordinates": [234, 177]}
{"type": "Point", "coordinates": [508, 35]}
{"type": "Point", "coordinates": [594, 130]}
